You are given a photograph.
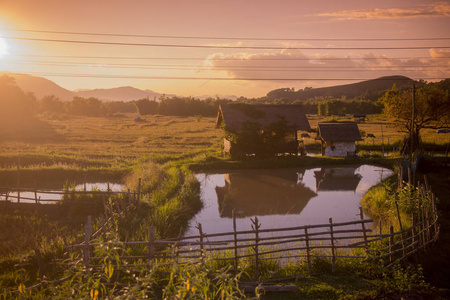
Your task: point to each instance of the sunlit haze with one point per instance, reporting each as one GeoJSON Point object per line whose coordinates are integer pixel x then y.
{"type": "Point", "coordinates": [241, 48]}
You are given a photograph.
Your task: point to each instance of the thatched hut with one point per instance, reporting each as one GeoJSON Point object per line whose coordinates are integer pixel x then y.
{"type": "Point", "coordinates": [265, 121]}
{"type": "Point", "coordinates": [338, 139]}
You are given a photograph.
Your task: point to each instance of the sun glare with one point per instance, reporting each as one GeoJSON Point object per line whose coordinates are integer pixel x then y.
{"type": "Point", "coordinates": [3, 47]}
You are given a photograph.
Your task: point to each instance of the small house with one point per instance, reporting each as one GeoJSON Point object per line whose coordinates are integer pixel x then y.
{"type": "Point", "coordinates": [338, 139]}
{"type": "Point", "coordinates": [265, 119]}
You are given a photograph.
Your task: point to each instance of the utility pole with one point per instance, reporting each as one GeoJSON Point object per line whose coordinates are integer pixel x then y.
{"type": "Point", "coordinates": [412, 118]}
{"type": "Point", "coordinates": [412, 129]}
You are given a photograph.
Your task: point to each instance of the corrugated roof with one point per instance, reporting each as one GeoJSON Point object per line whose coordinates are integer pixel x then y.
{"type": "Point", "coordinates": [234, 115]}
{"type": "Point", "coordinates": [339, 132]}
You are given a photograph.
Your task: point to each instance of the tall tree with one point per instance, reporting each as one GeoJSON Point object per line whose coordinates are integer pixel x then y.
{"type": "Point", "coordinates": [431, 110]}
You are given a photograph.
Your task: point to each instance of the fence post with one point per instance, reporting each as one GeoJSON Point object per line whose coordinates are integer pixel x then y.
{"type": "Point", "coordinates": [18, 179]}
{"type": "Point", "coordinates": [87, 237]}
{"type": "Point", "coordinates": [333, 255]}
{"type": "Point", "coordinates": [391, 242]}
{"type": "Point", "coordinates": [256, 227]}
{"type": "Point", "coordinates": [380, 228]}
{"type": "Point", "coordinates": [105, 207]}
{"type": "Point", "coordinates": [433, 205]}
{"type": "Point", "coordinates": [139, 191]}
{"type": "Point", "coordinates": [308, 257]}
{"type": "Point", "coordinates": [119, 211]}
{"type": "Point", "coordinates": [235, 242]}
{"type": "Point", "coordinates": [151, 244]}
{"type": "Point", "coordinates": [202, 249]}
{"type": "Point", "coordinates": [40, 263]}
{"type": "Point", "coordinates": [413, 227]}
{"type": "Point", "coordinates": [422, 213]}
{"type": "Point", "coordinates": [361, 217]}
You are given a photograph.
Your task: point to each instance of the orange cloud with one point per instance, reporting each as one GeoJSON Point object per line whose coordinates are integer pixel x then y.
{"type": "Point", "coordinates": [293, 65]}
{"type": "Point", "coordinates": [439, 9]}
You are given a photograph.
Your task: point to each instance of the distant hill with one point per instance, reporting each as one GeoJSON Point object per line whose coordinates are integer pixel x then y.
{"type": "Point", "coordinates": [125, 93]}
{"type": "Point", "coordinates": [369, 90]}
{"type": "Point", "coordinates": [40, 86]}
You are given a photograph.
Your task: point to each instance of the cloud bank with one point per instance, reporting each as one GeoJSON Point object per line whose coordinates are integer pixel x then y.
{"type": "Point", "coordinates": [439, 9]}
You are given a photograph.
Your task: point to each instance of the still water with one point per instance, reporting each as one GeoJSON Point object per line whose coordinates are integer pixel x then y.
{"type": "Point", "coordinates": [48, 196]}
{"type": "Point", "coordinates": [283, 198]}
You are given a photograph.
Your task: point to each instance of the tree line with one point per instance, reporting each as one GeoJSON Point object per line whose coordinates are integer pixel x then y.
{"type": "Point", "coordinates": [16, 104]}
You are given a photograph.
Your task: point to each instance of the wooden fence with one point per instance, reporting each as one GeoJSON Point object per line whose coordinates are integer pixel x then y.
{"type": "Point", "coordinates": [355, 240]}
{"type": "Point", "coordinates": [345, 240]}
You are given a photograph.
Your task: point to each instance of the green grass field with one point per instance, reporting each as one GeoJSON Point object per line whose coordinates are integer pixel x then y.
{"type": "Point", "coordinates": [117, 148]}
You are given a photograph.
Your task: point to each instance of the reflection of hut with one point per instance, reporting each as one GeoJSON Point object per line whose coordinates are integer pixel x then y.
{"type": "Point", "coordinates": [235, 117]}
{"type": "Point", "coordinates": [338, 139]}
{"type": "Point", "coordinates": [337, 179]}
{"type": "Point", "coordinates": [253, 193]}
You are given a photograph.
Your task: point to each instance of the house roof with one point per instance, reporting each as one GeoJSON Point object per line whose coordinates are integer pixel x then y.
{"type": "Point", "coordinates": [233, 116]}
{"type": "Point", "coordinates": [339, 132]}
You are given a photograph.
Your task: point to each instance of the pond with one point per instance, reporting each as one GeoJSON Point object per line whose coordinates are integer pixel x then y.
{"type": "Point", "coordinates": [49, 196]}
{"type": "Point", "coordinates": [283, 197]}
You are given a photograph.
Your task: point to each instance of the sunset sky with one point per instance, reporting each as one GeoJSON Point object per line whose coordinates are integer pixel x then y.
{"type": "Point", "coordinates": [242, 48]}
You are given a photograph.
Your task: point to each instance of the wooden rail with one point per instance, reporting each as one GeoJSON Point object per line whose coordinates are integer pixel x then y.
{"type": "Point", "coordinates": [330, 240]}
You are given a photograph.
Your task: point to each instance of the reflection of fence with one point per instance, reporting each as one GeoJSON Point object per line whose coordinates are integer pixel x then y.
{"type": "Point", "coordinates": [9, 194]}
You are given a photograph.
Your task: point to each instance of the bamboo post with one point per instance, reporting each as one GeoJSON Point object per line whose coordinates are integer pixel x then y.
{"type": "Point", "coordinates": [413, 234]}
{"type": "Point", "coordinates": [105, 207]}
{"type": "Point", "coordinates": [423, 224]}
{"type": "Point", "coordinates": [129, 198]}
{"type": "Point", "coordinates": [363, 226]}
{"type": "Point", "coordinates": [102, 222]}
{"type": "Point", "coordinates": [333, 254]}
{"type": "Point", "coordinates": [139, 191]}
{"type": "Point", "coordinates": [235, 242]}
{"type": "Point", "coordinates": [391, 242]}
{"type": "Point", "coordinates": [380, 228]}
{"type": "Point", "coordinates": [87, 237]}
{"type": "Point", "coordinates": [308, 257]}
{"type": "Point", "coordinates": [428, 234]}
{"type": "Point", "coordinates": [18, 179]}
{"type": "Point", "coordinates": [202, 248]}
{"type": "Point", "coordinates": [151, 244]}
{"type": "Point", "coordinates": [433, 205]}
{"type": "Point", "coordinates": [119, 211]}
{"type": "Point", "coordinates": [256, 227]}
{"type": "Point", "coordinates": [40, 263]}
{"type": "Point", "coordinates": [35, 192]}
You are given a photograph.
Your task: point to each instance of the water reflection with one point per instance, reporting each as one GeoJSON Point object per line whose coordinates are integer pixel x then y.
{"type": "Point", "coordinates": [337, 179]}
{"type": "Point", "coordinates": [283, 198]}
{"type": "Point", "coordinates": [49, 196]}
{"type": "Point", "coordinates": [256, 193]}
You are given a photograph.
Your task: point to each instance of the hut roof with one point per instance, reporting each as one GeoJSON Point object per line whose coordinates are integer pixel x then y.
{"type": "Point", "coordinates": [339, 132]}
{"type": "Point", "coordinates": [233, 116]}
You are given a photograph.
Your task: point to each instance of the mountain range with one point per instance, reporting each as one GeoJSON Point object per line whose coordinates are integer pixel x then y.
{"type": "Point", "coordinates": [369, 89]}
{"type": "Point", "coordinates": [42, 87]}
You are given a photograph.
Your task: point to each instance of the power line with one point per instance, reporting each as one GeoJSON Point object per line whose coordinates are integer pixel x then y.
{"type": "Point", "coordinates": [223, 47]}
{"type": "Point", "coordinates": [230, 38]}
{"type": "Point", "coordinates": [228, 68]}
{"type": "Point", "coordinates": [228, 58]}
{"type": "Point", "coordinates": [213, 78]}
